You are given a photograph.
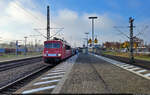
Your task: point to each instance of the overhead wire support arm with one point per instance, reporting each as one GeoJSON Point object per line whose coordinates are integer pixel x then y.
{"type": "Point", "coordinates": [40, 33]}
{"type": "Point", "coordinates": [56, 28]}
{"type": "Point", "coordinates": [121, 31]}
{"type": "Point", "coordinates": [140, 33]}
{"type": "Point", "coordinates": [57, 32]}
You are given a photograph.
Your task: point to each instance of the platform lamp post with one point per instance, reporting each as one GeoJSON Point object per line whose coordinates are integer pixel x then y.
{"type": "Point", "coordinates": [17, 46]}
{"type": "Point", "coordinates": [25, 43]}
{"type": "Point", "coordinates": [93, 17]}
{"type": "Point", "coordinates": [0, 38]}
{"type": "Point", "coordinates": [0, 41]}
{"type": "Point", "coordinates": [87, 40]}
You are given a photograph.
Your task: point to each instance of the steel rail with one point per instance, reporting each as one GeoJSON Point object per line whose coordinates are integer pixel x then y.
{"type": "Point", "coordinates": [22, 78]}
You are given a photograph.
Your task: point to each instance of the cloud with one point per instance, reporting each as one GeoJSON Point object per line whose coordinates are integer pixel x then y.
{"type": "Point", "coordinates": [18, 19]}
{"type": "Point", "coordinates": [67, 15]}
{"type": "Point", "coordinates": [76, 25]}
{"type": "Point", "coordinates": [23, 20]}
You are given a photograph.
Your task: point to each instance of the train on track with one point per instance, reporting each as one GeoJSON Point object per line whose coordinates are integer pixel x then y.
{"type": "Point", "coordinates": [56, 50]}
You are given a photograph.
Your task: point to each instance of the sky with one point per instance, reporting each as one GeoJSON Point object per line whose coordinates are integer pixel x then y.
{"type": "Point", "coordinates": [20, 18]}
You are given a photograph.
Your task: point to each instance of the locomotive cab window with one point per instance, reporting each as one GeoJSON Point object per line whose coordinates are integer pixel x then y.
{"type": "Point", "coordinates": [68, 47]}
{"type": "Point", "coordinates": [52, 45]}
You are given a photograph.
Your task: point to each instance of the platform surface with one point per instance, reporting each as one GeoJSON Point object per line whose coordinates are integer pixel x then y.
{"type": "Point", "coordinates": [88, 74]}
{"type": "Point", "coordinates": [94, 75]}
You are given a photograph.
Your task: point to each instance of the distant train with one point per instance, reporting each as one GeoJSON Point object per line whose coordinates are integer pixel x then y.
{"type": "Point", "coordinates": [56, 50]}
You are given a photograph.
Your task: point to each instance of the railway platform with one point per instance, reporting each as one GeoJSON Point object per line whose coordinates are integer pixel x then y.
{"type": "Point", "coordinates": [90, 73]}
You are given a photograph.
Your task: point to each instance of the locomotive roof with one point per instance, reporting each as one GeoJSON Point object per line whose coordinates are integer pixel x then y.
{"type": "Point", "coordinates": [64, 42]}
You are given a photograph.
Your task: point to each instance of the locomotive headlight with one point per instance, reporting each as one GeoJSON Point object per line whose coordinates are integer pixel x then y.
{"type": "Point", "coordinates": [59, 54]}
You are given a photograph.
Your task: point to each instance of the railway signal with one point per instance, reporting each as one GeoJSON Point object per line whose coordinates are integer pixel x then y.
{"type": "Point", "coordinates": [96, 41]}
{"type": "Point", "coordinates": [126, 44]}
{"type": "Point", "coordinates": [135, 45]}
{"type": "Point", "coordinates": [90, 41]}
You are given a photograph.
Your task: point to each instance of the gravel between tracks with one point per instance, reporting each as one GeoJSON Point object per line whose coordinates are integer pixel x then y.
{"type": "Point", "coordinates": [12, 74]}
{"type": "Point", "coordinates": [83, 79]}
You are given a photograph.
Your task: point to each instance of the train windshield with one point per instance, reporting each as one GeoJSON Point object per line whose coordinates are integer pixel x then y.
{"type": "Point", "coordinates": [52, 45]}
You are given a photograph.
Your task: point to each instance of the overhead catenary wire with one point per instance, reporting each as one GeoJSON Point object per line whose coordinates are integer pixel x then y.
{"type": "Point", "coordinates": [56, 33]}
{"type": "Point", "coordinates": [18, 4]}
{"type": "Point", "coordinates": [121, 32]}
{"type": "Point", "coordinates": [35, 18]}
{"type": "Point", "coordinates": [138, 34]}
{"type": "Point", "coordinates": [40, 33]}
{"type": "Point", "coordinates": [142, 31]}
{"type": "Point", "coordinates": [39, 21]}
{"type": "Point", "coordinates": [28, 13]}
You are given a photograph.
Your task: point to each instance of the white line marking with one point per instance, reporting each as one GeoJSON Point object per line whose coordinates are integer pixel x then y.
{"type": "Point", "coordinates": [56, 73]}
{"type": "Point", "coordinates": [129, 67]}
{"type": "Point", "coordinates": [140, 71]}
{"type": "Point", "coordinates": [38, 89]}
{"type": "Point", "coordinates": [131, 70]}
{"type": "Point", "coordinates": [135, 68]}
{"type": "Point", "coordinates": [51, 77]}
{"type": "Point", "coordinates": [118, 64]}
{"type": "Point", "coordinates": [62, 81]}
{"type": "Point", "coordinates": [125, 65]}
{"type": "Point", "coordinates": [57, 69]}
{"type": "Point", "coordinates": [147, 75]}
{"type": "Point", "coordinates": [45, 82]}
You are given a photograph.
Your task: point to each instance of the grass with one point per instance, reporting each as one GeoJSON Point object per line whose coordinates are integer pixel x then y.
{"type": "Point", "coordinates": [136, 56]}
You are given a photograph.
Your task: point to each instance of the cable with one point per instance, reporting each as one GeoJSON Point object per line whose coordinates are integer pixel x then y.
{"type": "Point", "coordinates": [56, 33]}
{"type": "Point", "coordinates": [17, 3]}
{"type": "Point", "coordinates": [27, 13]}
{"type": "Point", "coordinates": [121, 32]}
{"type": "Point", "coordinates": [36, 18]}
{"type": "Point", "coordinates": [140, 33]}
{"type": "Point", "coordinates": [40, 33]}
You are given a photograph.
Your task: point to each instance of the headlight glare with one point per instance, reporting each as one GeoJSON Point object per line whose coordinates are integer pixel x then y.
{"type": "Point", "coordinates": [59, 54]}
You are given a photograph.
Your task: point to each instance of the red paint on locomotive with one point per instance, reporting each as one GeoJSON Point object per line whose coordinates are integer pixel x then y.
{"type": "Point", "coordinates": [55, 51]}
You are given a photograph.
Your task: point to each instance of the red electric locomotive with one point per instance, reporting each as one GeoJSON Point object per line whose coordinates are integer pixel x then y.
{"type": "Point", "coordinates": [56, 50]}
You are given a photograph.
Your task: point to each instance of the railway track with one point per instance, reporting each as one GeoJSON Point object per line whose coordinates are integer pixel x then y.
{"type": "Point", "coordinates": [16, 63]}
{"type": "Point", "coordinates": [140, 63]}
{"type": "Point", "coordinates": [9, 88]}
